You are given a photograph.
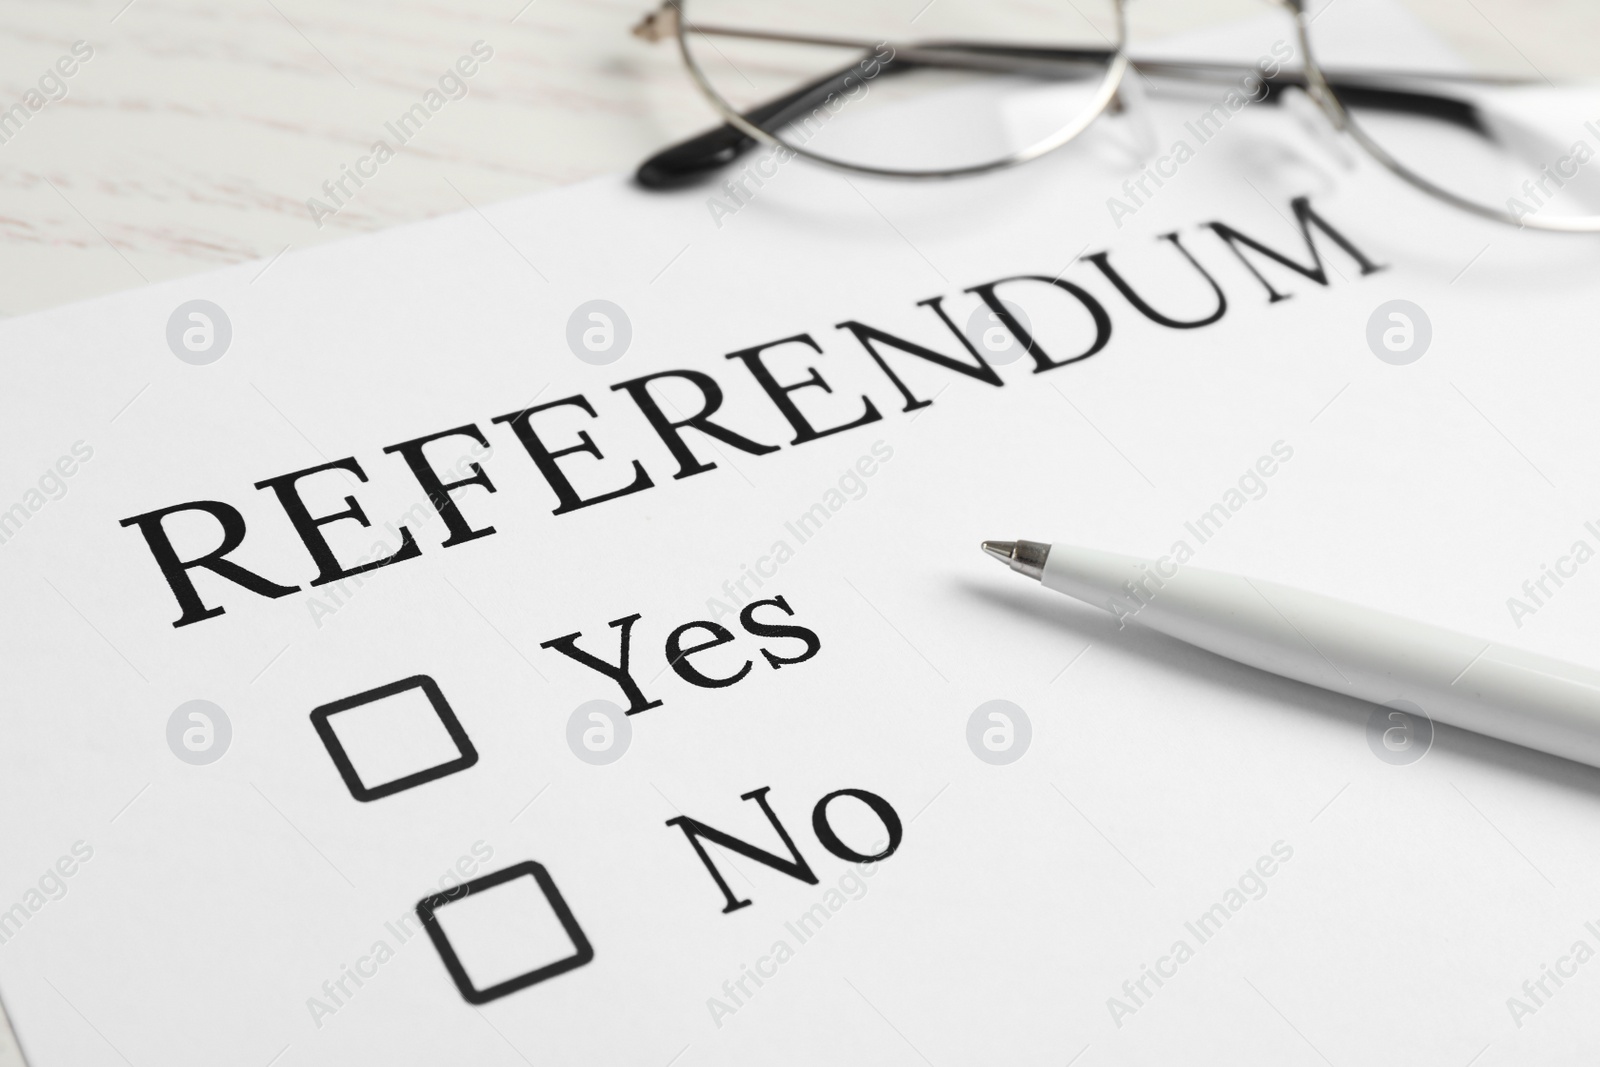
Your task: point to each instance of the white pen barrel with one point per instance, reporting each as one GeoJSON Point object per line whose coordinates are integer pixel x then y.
{"type": "Point", "coordinates": [1464, 681]}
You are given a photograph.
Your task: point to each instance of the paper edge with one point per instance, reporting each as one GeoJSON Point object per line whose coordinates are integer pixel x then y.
{"type": "Point", "coordinates": [10, 1050]}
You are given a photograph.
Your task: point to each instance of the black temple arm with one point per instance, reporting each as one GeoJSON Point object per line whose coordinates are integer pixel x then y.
{"type": "Point", "coordinates": [700, 156]}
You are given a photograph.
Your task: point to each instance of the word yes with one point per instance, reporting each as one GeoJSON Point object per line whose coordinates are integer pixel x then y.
{"type": "Point", "coordinates": [679, 654]}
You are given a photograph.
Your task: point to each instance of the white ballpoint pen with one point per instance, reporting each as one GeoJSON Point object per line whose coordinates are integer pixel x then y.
{"type": "Point", "coordinates": [1477, 685]}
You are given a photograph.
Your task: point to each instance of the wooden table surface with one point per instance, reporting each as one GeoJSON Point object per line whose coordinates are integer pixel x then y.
{"type": "Point", "coordinates": [197, 130]}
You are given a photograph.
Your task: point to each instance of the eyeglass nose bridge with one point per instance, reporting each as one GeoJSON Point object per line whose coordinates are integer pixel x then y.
{"type": "Point", "coordinates": [1316, 87]}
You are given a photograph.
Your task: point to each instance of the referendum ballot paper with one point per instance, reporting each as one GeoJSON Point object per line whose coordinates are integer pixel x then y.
{"type": "Point", "coordinates": [556, 633]}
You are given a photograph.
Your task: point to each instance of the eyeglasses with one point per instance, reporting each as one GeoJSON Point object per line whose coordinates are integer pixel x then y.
{"type": "Point", "coordinates": [1477, 124]}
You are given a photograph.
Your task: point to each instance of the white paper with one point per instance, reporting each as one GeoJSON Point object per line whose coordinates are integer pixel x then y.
{"type": "Point", "coordinates": [1405, 906]}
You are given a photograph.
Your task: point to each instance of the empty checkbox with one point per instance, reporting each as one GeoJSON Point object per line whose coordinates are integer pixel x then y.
{"type": "Point", "coordinates": [504, 932]}
{"type": "Point", "coordinates": [394, 737]}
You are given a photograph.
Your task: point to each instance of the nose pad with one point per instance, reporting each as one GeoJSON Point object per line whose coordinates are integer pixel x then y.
{"type": "Point", "coordinates": [1319, 126]}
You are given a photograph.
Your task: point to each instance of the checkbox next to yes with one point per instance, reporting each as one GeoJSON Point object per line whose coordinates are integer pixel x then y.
{"type": "Point", "coordinates": [393, 738]}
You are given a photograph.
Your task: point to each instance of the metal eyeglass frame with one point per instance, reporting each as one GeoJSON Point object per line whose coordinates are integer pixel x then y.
{"type": "Point", "coordinates": [695, 157]}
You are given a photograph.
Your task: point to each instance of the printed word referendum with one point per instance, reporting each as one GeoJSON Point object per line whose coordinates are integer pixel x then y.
{"type": "Point", "coordinates": [556, 435]}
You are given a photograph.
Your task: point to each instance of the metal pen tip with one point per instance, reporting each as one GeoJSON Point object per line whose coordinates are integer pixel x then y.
{"type": "Point", "coordinates": [1001, 550]}
{"type": "Point", "coordinates": [1024, 557]}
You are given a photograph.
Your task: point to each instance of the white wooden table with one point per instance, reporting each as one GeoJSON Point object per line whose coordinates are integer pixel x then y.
{"type": "Point", "coordinates": [199, 129]}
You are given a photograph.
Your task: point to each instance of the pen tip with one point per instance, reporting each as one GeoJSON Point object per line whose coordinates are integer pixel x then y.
{"type": "Point", "coordinates": [1000, 550]}
{"type": "Point", "coordinates": [1024, 557]}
